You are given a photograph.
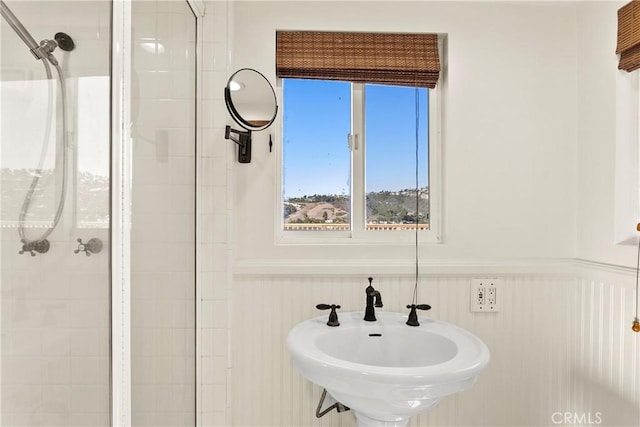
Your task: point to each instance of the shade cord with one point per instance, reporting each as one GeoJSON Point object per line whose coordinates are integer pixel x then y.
{"type": "Point", "coordinates": [637, 274]}
{"type": "Point", "coordinates": [636, 322]}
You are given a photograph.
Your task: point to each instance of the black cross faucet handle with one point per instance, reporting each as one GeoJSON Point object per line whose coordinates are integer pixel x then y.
{"type": "Point", "coordinates": [333, 316]}
{"type": "Point", "coordinates": [326, 306]}
{"type": "Point", "coordinates": [422, 307]}
{"type": "Point", "coordinates": [413, 315]}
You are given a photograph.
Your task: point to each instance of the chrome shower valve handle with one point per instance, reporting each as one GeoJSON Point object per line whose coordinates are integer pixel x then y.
{"type": "Point", "coordinates": [33, 246]}
{"type": "Point", "coordinates": [93, 246]}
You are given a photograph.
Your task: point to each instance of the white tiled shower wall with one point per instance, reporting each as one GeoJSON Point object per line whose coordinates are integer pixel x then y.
{"type": "Point", "coordinates": [55, 317]}
{"type": "Point", "coordinates": [217, 162]}
{"type": "Point", "coordinates": [163, 214]}
{"type": "Point", "coordinates": [55, 307]}
{"type": "Point", "coordinates": [68, 293]}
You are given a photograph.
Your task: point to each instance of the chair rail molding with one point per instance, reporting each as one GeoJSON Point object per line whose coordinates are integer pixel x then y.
{"type": "Point", "coordinates": [445, 267]}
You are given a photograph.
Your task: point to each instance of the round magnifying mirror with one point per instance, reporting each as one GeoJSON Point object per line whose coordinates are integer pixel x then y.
{"type": "Point", "coordinates": [250, 99]}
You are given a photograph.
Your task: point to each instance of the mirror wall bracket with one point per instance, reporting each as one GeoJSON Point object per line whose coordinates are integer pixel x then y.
{"type": "Point", "coordinates": [243, 140]}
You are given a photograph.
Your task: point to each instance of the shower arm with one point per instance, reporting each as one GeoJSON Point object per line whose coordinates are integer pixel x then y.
{"type": "Point", "coordinates": [17, 26]}
{"type": "Point", "coordinates": [37, 51]}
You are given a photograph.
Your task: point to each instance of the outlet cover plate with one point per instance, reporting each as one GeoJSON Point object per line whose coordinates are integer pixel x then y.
{"type": "Point", "coordinates": [485, 295]}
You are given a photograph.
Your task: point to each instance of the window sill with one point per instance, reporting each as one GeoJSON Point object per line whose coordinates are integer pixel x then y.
{"type": "Point", "coordinates": [365, 238]}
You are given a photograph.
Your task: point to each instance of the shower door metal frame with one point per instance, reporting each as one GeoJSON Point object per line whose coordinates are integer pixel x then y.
{"type": "Point", "coordinates": [199, 10]}
{"type": "Point", "coordinates": [121, 187]}
{"type": "Point", "coordinates": [121, 213]}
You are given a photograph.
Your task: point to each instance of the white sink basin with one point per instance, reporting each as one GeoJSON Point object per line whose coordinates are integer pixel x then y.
{"type": "Point", "coordinates": [387, 371]}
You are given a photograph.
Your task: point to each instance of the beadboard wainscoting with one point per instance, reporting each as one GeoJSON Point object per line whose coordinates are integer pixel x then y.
{"type": "Point", "coordinates": [604, 359]}
{"type": "Point", "coordinates": [561, 344]}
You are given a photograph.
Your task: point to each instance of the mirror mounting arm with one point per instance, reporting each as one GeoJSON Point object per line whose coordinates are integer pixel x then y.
{"type": "Point", "coordinates": [243, 141]}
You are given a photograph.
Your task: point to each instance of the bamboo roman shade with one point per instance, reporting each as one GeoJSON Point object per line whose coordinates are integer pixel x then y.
{"type": "Point", "coordinates": [629, 36]}
{"type": "Point", "coordinates": [383, 58]}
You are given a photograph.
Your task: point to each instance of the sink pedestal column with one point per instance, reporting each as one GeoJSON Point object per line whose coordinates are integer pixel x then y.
{"type": "Point", "coordinates": [364, 421]}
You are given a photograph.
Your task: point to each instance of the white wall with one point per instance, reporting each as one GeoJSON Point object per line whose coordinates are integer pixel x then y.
{"type": "Point", "coordinates": [509, 125]}
{"type": "Point", "coordinates": [529, 131]}
{"type": "Point", "coordinates": [600, 105]}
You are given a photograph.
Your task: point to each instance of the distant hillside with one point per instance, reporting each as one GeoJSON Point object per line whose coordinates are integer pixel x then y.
{"type": "Point", "coordinates": [89, 192]}
{"type": "Point", "coordinates": [383, 207]}
{"type": "Point", "coordinates": [317, 209]}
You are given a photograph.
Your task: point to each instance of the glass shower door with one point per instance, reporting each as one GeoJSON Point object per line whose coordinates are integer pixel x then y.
{"type": "Point", "coordinates": [163, 110]}
{"type": "Point", "coordinates": [54, 213]}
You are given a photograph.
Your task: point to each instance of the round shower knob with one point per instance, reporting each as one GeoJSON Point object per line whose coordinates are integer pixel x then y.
{"type": "Point", "coordinates": [93, 246]}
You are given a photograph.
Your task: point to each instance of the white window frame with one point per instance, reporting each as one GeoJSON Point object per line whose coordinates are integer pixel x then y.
{"type": "Point", "coordinates": [358, 234]}
{"type": "Point", "coordinates": [627, 166]}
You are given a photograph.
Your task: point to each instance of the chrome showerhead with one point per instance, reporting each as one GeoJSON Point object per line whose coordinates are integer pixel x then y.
{"type": "Point", "coordinates": [65, 42]}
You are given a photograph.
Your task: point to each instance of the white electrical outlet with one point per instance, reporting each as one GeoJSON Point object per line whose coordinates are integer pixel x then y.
{"type": "Point", "coordinates": [485, 295]}
{"type": "Point", "coordinates": [491, 295]}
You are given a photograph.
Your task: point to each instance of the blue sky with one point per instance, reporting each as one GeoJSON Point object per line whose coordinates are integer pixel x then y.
{"type": "Point", "coordinates": [317, 120]}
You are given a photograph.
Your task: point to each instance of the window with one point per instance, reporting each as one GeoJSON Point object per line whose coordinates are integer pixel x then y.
{"type": "Point", "coordinates": [359, 133]}
{"type": "Point", "coordinates": [627, 164]}
{"type": "Point", "coordinates": [396, 149]}
{"type": "Point", "coordinates": [349, 157]}
{"type": "Point", "coordinates": [317, 163]}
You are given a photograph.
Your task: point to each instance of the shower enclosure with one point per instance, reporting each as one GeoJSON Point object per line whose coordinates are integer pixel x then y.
{"type": "Point", "coordinates": [98, 143]}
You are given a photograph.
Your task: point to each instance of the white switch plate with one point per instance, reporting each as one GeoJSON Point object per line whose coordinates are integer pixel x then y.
{"type": "Point", "coordinates": [485, 295]}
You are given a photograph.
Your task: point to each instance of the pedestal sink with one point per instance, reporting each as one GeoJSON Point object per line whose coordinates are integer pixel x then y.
{"type": "Point", "coordinates": [386, 371]}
